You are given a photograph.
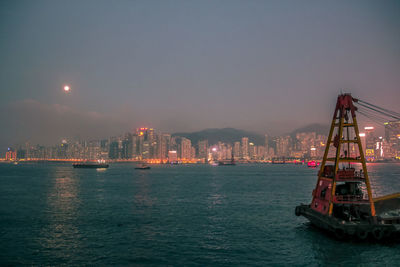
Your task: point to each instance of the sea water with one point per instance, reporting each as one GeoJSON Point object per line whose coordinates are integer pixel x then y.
{"type": "Point", "coordinates": [201, 215]}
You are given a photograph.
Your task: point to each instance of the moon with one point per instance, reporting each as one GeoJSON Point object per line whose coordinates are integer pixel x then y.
{"type": "Point", "coordinates": [66, 88]}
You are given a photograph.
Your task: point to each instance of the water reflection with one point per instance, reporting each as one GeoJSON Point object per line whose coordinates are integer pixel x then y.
{"type": "Point", "coordinates": [327, 251]}
{"type": "Point", "coordinates": [384, 178]}
{"type": "Point", "coordinates": [215, 198]}
{"type": "Point", "coordinates": [217, 223]}
{"type": "Point", "coordinates": [61, 236]}
{"type": "Point", "coordinates": [142, 198]}
{"type": "Point", "coordinates": [142, 210]}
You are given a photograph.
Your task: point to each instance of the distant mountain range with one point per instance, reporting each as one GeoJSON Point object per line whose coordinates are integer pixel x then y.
{"type": "Point", "coordinates": [231, 135]}
{"type": "Point", "coordinates": [315, 127]}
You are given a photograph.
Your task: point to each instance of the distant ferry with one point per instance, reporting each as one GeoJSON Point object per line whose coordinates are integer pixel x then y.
{"type": "Point", "coordinates": [142, 167]}
{"type": "Point", "coordinates": [228, 163]}
{"type": "Point", "coordinates": [275, 161]}
{"type": "Point", "coordinates": [100, 164]}
{"type": "Point", "coordinates": [312, 164]}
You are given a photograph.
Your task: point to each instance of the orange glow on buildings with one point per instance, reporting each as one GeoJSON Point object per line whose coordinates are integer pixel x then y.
{"type": "Point", "coordinates": [11, 155]}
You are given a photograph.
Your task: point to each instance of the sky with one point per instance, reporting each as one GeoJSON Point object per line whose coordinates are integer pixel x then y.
{"type": "Point", "coordinates": [181, 66]}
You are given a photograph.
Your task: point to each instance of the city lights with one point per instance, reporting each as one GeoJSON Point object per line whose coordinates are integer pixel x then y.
{"type": "Point", "coordinates": [147, 145]}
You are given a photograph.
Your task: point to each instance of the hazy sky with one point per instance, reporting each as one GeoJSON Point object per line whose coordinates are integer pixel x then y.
{"type": "Point", "coordinates": [266, 66]}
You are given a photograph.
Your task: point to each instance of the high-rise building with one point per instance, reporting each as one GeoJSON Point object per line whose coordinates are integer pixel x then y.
{"type": "Point", "coordinates": [11, 154]}
{"type": "Point", "coordinates": [392, 131]}
{"type": "Point", "coordinates": [203, 149]}
{"type": "Point", "coordinates": [126, 151]}
{"type": "Point", "coordinates": [62, 150]}
{"type": "Point", "coordinates": [163, 143]}
{"type": "Point", "coordinates": [139, 145]}
{"type": "Point", "coordinates": [21, 153]}
{"type": "Point", "coordinates": [114, 150]}
{"type": "Point", "coordinates": [252, 151]}
{"type": "Point", "coordinates": [135, 140]}
{"type": "Point", "coordinates": [172, 156]}
{"type": "Point", "coordinates": [303, 143]}
{"type": "Point", "coordinates": [260, 152]}
{"type": "Point", "coordinates": [271, 152]}
{"type": "Point", "coordinates": [146, 144]}
{"type": "Point", "coordinates": [146, 150]}
{"type": "Point", "coordinates": [392, 134]}
{"type": "Point", "coordinates": [93, 150]}
{"type": "Point", "coordinates": [185, 148]}
{"type": "Point", "coordinates": [236, 150]}
{"type": "Point", "coordinates": [245, 148]}
{"type": "Point", "coordinates": [369, 143]}
{"type": "Point", "coordinates": [283, 146]}
{"type": "Point", "coordinates": [104, 147]}
{"type": "Point", "coordinates": [193, 153]}
{"type": "Point", "coordinates": [363, 142]}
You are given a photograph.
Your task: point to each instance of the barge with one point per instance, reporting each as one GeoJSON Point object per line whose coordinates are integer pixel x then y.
{"type": "Point", "coordinates": [342, 201]}
{"type": "Point", "coordinates": [100, 164]}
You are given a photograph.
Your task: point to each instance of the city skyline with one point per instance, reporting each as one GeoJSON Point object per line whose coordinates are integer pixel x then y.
{"type": "Point", "coordinates": [160, 147]}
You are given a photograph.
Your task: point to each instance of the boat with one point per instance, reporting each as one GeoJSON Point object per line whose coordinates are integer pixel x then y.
{"type": "Point", "coordinates": [312, 164]}
{"type": "Point", "coordinates": [227, 163]}
{"type": "Point", "coordinates": [342, 201]}
{"type": "Point", "coordinates": [100, 164]}
{"type": "Point", "coordinates": [142, 167]}
{"type": "Point", "coordinates": [278, 161]}
{"type": "Point", "coordinates": [90, 165]}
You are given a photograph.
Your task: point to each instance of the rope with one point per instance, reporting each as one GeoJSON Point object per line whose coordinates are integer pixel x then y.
{"type": "Point", "coordinates": [384, 109]}
{"type": "Point", "coordinates": [380, 112]}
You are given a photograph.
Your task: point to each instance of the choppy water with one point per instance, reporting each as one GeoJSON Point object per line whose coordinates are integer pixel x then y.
{"type": "Point", "coordinates": [52, 214]}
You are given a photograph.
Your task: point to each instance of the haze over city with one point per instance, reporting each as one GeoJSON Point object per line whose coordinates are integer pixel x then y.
{"type": "Point", "coordinates": [181, 66]}
{"type": "Point", "coordinates": [199, 132]}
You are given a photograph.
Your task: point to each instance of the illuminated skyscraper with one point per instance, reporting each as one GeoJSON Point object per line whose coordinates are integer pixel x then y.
{"type": "Point", "coordinates": [236, 150]}
{"type": "Point", "coordinates": [392, 134]}
{"type": "Point", "coordinates": [11, 154]}
{"type": "Point", "coordinates": [245, 148]}
{"type": "Point", "coordinates": [185, 148]}
{"type": "Point", "coordinates": [203, 149]}
{"type": "Point", "coordinates": [283, 146]}
{"type": "Point", "coordinates": [261, 152]}
{"type": "Point", "coordinates": [146, 142]}
{"type": "Point", "coordinates": [62, 150]}
{"type": "Point", "coordinates": [369, 143]}
{"type": "Point", "coordinates": [172, 156]}
{"type": "Point", "coordinates": [252, 151]}
{"type": "Point", "coordinates": [146, 150]}
{"type": "Point", "coordinates": [163, 144]}
{"type": "Point", "coordinates": [392, 131]}
{"type": "Point", "coordinates": [363, 142]}
{"type": "Point", "coordinates": [126, 152]}
{"type": "Point", "coordinates": [135, 140]}
{"type": "Point", "coordinates": [114, 150]}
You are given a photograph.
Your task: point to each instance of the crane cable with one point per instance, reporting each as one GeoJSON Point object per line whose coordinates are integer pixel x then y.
{"type": "Point", "coordinates": [375, 113]}
{"type": "Point", "coordinates": [379, 110]}
{"type": "Point", "coordinates": [384, 109]}
{"type": "Point", "coordinates": [368, 113]}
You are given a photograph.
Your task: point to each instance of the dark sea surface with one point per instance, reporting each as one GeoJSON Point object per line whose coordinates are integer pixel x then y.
{"type": "Point", "coordinates": [52, 214]}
